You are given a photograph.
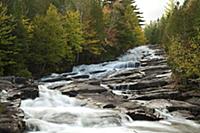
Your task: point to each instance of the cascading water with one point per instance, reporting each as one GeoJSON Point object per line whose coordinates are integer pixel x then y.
{"type": "Point", "coordinates": [130, 60]}
{"type": "Point", "coordinates": [53, 112]}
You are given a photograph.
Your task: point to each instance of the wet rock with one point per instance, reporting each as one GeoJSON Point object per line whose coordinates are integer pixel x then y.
{"type": "Point", "coordinates": [68, 74]}
{"type": "Point", "coordinates": [109, 106]}
{"type": "Point", "coordinates": [29, 92]}
{"type": "Point", "coordinates": [62, 118]}
{"type": "Point", "coordinates": [154, 62]}
{"type": "Point", "coordinates": [54, 79]}
{"type": "Point", "coordinates": [158, 103]}
{"type": "Point", "coordinates": [80, 77]}
{"type": "Point", "coordinates": [126, 73]}
{"type": "Point", "coordinates": [11, 119]}
{"type": "Point", "coordinates": [12, 91]}
{"type": "Point", "coordinates": [184, 114]}
{"type": "Point", "coordinates": [158, 69]}
{"type": "Point", "coordinates": [165, 95]}
{"type": "Point", "coordinates": [95, 72]}
{"type": "Point", "coordinates": [8, 78]}
{"type": "Point", "coordinates": [180, 105]}
{"type": "Point", "coordinates": [142, 116]}
{"type": "Point", "coordinates": [5, 85]}
{"type": "Point", "coordinates": [71, 93]}
{"type": "Point", "coordinates": [160, 52]}
{"type": "Point", "coordinates": [94, 82]}
{"type": "Point", "coordinates": [176, 107]}
{"type": "Point", "coordinates": [82, 88]}
{"type": "Point", "coordinates": [194, 100]}
{"type": "Point", "coordinates": [141, 85]}
{"type": "Point", "coordinates": [101, 97]}
{"type": "Point", "coordinates": [21, 80]}
{"type": "Point", "coordinates": [142, 93]}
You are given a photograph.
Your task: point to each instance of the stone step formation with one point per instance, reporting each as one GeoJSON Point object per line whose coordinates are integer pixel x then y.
{"type": "Point", "coordinates": [12, 91]}
{"type": "Point", "coordinates": [138, 92]}
{"type": "Point", "coordinates": [142, 92]}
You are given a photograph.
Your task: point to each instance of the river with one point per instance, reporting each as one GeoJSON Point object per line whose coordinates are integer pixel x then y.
{"type": "Point", "coordinates": [53, 112]}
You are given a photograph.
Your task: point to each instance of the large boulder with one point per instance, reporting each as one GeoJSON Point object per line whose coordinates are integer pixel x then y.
{"type": "Point", "coordinates": [12, 91]}
{"type": "Point", "coordinates": [11, 119]}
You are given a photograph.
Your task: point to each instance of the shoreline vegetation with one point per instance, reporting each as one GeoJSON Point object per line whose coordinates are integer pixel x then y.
{"type": "Point", "coordinates": [41, 37]}
{"type": "Point", "coordinates": [51, 36]}
{"type": "Point", "coordinates": [179, 33]}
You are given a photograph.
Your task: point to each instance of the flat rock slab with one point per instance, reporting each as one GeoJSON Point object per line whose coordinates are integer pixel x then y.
{"type": "Point", "coordinates": [141, 91]}
{"type": "Point", "coordinates": [81, 88]}
{"type": "Point", "coordinates": [12, 91]}
{"type": "Point", "coordinates": [11, 119]}
{"type": "Point", "coordinates": [100, 97]}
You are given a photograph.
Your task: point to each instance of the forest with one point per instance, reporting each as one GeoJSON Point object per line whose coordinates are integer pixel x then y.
{"type": "Point", "coordinates": [99, 66]}
{"type": "Point", "coordinates": [39, 37]}
{"type": "Point", "coordinates": [178, 32]}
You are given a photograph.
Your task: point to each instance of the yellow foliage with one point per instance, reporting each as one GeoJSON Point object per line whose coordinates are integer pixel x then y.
{"type": "Point", "coordinates": [185, 57]}
{"type": "Point", "coordinates": [140, 36]}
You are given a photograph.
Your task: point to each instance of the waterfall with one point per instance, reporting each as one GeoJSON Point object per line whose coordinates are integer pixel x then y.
{"type": "Point", "coordinates": [53, 112]}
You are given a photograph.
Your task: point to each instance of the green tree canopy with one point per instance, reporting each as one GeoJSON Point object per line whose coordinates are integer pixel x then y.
{"type": "Point", "coordinates": [7, 47]}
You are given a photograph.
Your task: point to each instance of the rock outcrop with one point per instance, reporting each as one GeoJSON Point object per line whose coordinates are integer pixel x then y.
{"type": "Point", "coordinates": [12, 91]}
{"type": "Point", "coordinates": [143, 93]}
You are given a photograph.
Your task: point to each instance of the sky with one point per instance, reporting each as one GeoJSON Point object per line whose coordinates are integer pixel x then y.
{"type": "Point", "coordinates": [152, 9]}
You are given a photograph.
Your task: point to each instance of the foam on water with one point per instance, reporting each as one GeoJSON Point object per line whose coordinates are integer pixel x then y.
{"type": "Point", "coordinates": [128, 61]}
{"type": "Point", "coordinates": [53, 112]}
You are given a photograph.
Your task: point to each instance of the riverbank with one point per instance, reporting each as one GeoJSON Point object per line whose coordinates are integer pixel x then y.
{"type": "Point", "coordinates": [12, 91]}
{"type": "Point", "coordinates": [139, 91]}
{"type": "Point", "coordinates": [138, 84]}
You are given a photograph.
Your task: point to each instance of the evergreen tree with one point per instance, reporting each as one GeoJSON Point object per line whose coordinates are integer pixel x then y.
{"type": "Point", "coordinates": [129, 30]}
{"type": "Point", "coordinates": [48, 46]}
{"type": "Point", "coordinates": [179, 34]}
{"type": "Point", "coordinates": [152, 32]}
{"type": "Point", "coordinates": [7, 47]}
{"type": "Point", "coordinates": [73, 33]}
{"type": "Point", "coordinates": [24, 35]}
{"type": "Point", "coordinates": [93, 30]}
{"type": "Point", "coordinates": [185, 40]}
{"type": "Point", "coordinates": [48, 35]}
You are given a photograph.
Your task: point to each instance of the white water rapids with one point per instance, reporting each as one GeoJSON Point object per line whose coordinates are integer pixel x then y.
{"type": "Point", "coordinates": [53, 112]}
{"type": "Point", "coordinates": [130, 60]}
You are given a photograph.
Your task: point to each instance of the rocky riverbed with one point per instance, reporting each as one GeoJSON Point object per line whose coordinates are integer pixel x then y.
{"type": "Point", "coordinates": [138, 84]}
{"type": "Point", "coordinates": [139, 89]}
{"type": "Point", "coordinates": [12, 91]}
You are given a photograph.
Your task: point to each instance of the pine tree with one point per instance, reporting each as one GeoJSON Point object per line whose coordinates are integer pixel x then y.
{"type": "Point", "coordinates": [152, 32]}
{"type": "Point", "coordinates": [47, 35]}
{"type": "Point", "coordinates": [24, 35]}
{"type": "Point", "coordinates": [49, 43]}
{"type": "Point", "coordinates": [73, 33]}
{"type": "Point", "coordinates": [129, 30]}
{"type": "Point", "coordinates": [91, 14]}
{"type": "Point", "coordinates": [7, 38]}
{"type": "Point", "coordinates": [170, 7]}
{"type": "Point", "coordinates": [179, 32]}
